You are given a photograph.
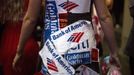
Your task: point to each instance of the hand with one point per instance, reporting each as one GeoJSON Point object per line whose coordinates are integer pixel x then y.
{"type": "Point", "coordinates": [114, 60]}
{"type": "Point", "coordinates": [16, 60]}
{"type": "Point", "coordinates": [114, 71]}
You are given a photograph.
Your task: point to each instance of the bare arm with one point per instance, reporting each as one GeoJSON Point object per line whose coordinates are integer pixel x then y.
{"type": "Point", "coordinates": [109, 4]}
{"type": "Point", "coordinates": [107, 24]}
{"type": "Point", "coordinates": [28, 25]}
{"type": "Point", "coordinates": [29, 22]}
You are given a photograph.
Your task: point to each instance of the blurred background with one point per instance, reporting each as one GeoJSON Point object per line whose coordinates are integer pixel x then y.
{"type": "Point", "coordinates": [123, 22]}
{"type": "Point", "coordinates": [122, 26]}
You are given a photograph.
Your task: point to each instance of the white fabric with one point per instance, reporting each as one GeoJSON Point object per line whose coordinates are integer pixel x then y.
{"type": "Point", "coordinates": [83, 6]}
{"type": "Point", "coordinates": [62, 44]}
{"type": "Point", "coordinates": [59, 44]}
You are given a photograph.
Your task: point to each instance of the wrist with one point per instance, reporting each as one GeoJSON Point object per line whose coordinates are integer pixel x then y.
{"type": "Point", "coordinates": [19, 50]}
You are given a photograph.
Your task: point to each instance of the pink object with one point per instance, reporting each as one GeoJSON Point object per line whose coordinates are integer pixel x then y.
{"type": "Point", "coordinates": [113, 70]}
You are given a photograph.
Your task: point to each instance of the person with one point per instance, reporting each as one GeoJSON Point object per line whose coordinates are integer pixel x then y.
{"type": "Point", "coordinates": [11, 14]}
{"type": "Point", "coordinates": [97, 27]}
{"type": "Point", "coordinates": [60, 15]}
{"type": "Point", "coordinates": [109, 4]}
{"type": "Point", "coordinates": [129, 45]}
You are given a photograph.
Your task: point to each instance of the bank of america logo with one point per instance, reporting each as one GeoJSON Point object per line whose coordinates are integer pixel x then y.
{"type": "Point", "coordinates": [51, 65]}
{"type": "Point", "coordinates": [75, 37]}
{"type": "Point", "coordinates": [68, 5]}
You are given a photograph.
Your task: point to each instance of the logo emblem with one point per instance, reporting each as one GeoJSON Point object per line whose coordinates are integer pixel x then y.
{"type": "Point", "coordinates": [51, 65]}
{"type": "Point", "coordinates": [75, 37]}
{"type": "Point", "coordinates": [68, 5]}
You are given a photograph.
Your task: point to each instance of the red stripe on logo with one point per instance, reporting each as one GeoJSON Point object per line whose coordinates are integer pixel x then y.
{"type": "Point", "coordinates": [68, 4]}
{"type": "Point", "coordinates": [52, 67]}
{"type": "Point", "coordinates": [76, 36]}
{"type": "Point", "coordinates": [71, 7]}
{"type": "Point", "coordinates": [79, 37]}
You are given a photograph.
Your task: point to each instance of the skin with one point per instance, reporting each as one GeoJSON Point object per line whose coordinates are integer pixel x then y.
{"type": "Point", "coordinates": [109, 4]}
{"type": "Point", "coordinates": [29, 23]}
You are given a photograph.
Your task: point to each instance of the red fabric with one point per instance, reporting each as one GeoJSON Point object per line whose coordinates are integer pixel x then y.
{"type": "Point", "coordinates": [8, 45]}
{"type": "Point", "coordinates": [25, 5]}
{"type": "Point", "coordinates": [38, 73]}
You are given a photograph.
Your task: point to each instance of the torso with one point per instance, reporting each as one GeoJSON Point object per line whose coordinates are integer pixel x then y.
{"type": "Point", "coordinates": [60, 13]}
